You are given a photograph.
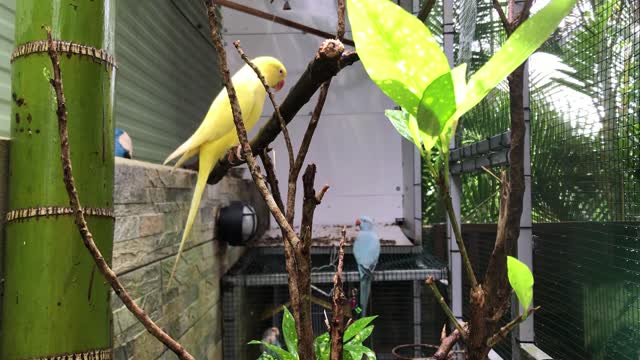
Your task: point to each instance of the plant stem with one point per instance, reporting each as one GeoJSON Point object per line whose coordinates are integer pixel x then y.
{"type": "Point", "coordinates": [446, 195]}
{"type": "Point", "coordinates": [445, 307]}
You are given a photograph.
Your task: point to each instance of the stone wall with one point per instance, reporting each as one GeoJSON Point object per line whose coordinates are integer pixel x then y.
{"type": "Point", "coordinates": [151, 205]}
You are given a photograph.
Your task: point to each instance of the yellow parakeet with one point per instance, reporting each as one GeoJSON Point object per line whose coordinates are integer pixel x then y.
{"type": "Point", "coordinates": [217, 133]}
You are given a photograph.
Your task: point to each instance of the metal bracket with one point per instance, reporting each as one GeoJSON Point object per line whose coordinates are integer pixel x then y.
{"type": "Point", "coordinates": [493, 151]}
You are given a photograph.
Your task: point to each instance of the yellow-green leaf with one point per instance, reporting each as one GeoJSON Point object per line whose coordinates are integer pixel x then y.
{"type": "Point", "coordinates": [397, 50]}
{"type": "Point", "coordinates": [521, 280]}
{"type": "Point", "coordinates": [519, 46]}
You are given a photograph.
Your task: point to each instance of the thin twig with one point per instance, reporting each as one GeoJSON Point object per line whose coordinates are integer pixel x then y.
{"type": "Point", "coordinates": [341, 23]}
{"type": "Point", "coordinates": [271, 177]}
{"type": "Point", "coordinates": [503, 18]}
{"type": "Point", "coordinates": [278, 20]}
{"type": "Point", "coordinates": [276, 108]}
{"type": "Point", "coordinates": [526, 11]}
{"type": "Point", "coordinates": [242, 131]}
{"type": "Point", "coordinates": [328, 46]}
{"type": "Point", "coordinates": [444, 306]}
{"type": "Point", "coordinates": [427, 6]}
{"type": "Point", "coordinates": [83, 228]}
{"type": "Point", "coordinates": [337, 322]}
{"type": "Point", "coordinates": [488, 171]}
{"type": "Point", "coordinates": [505, 330]}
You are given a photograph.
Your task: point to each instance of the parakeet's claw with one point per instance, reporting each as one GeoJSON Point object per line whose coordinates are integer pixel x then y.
{"type": "Point", "coordinates": [240, 153]}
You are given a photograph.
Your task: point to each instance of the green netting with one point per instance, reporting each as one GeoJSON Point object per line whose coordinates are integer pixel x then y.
{"type": "Point", "coordinates": [586, 196]}
{"type": "Point", "coordinates": [585, 150]}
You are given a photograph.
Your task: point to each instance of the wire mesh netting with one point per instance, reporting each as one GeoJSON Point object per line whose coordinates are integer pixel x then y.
{"type": "Point", "coordinates": [585, 150]}
{"type": "Point", "coordinates": [256, 289]}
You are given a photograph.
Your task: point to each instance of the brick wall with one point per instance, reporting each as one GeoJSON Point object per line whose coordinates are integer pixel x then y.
{"type": "Point", "coordinates": [151, 205]}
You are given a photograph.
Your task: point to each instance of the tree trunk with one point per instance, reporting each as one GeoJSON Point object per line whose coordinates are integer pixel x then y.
{"type": "Point", "coordinates": [55, 301]}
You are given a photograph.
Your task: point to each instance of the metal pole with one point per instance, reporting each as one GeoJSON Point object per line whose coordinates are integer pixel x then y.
{"type": "Point", "coordinates": [455, 261]}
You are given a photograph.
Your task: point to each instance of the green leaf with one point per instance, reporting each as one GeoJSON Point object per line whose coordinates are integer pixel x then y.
{"type": "Point", "coordinates": [518, 47]}
{"type": "Point", "coordinates": [289, 332]}
{"type": "Point", "coordinates": [360, 350]}
{"type": "Point", "coordinates": [321, 346]}
{"type": "Point", "coordinates": [400, 121]}
{"type": "Point", "coordinates": [361, 336]}
{"type": "Point", "coordinates": [397, 50]}
{"type": "Point", "coordinates": [437, 105]}
{"type": "Point", "coordinates": [521, 280]}
{"type": "Point", "coordinates": [284, 354]}
{"type": "Point", "coordinates": [357, 327]}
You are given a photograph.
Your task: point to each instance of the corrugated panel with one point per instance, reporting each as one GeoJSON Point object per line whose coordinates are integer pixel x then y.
{"type": "Point", "coordinates": [7, 14]}
{"type": "Point", "coordinates": [167, 75]}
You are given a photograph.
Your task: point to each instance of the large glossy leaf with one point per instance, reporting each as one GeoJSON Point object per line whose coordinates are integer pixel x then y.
{"type": "Point", "coordinates": [437, 105]}
{"type": "Point", "coordinates": [521, 280]}
{"type": "Point", "coordinates": [289, 332]}
{"type": "Point", "coordinates": [400, 121]}
{"type": "Point", "coordinates": [284, 354]}
{"type": "Point", "coordinates": [398, 51]}
{"type": "Point", "coordinates": [322, 347]}
{"type": "Point", "coordinates": [356, 351]}
{"type": "Point", "coordinates": [518, 47]}
{"type": "Point", "coordinates": [356, 328]}
{"type": "Point", "coordinates": [361, 336]}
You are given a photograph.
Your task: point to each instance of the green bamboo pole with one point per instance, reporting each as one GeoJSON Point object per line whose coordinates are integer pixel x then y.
{"type": "Point", "coordinates": [55, 301]}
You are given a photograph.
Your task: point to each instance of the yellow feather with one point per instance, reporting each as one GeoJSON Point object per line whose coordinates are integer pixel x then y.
{"type": "Point", "coordinates": [217, 132]}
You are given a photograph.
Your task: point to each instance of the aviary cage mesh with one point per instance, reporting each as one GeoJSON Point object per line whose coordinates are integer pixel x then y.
{"type": "Point", "coordinates": [585, 154]}
{"type": "Point", "coordinates": [255, 289]}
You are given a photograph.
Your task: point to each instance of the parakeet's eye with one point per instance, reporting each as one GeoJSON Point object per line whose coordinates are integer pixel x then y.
{"type": "Point", "coordinates": [280, 71]}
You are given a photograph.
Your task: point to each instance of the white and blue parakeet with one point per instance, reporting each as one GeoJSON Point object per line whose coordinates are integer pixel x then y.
{"type": "Point", "coordinates": [366, 250]}
{"type": "Point", "coordinates": [123, 146]}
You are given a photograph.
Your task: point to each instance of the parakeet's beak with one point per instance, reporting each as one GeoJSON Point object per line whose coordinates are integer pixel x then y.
{"type": "Point", "coordinates": [358, 224]}
{"type": "Point", "coordinates": [279, 85]}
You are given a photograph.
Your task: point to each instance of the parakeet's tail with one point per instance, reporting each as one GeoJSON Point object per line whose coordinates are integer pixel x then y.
{"type": "Point", "coordinates": [186, 156]}
{"type": "Point", "coordinates": [185, 148]}
{"type": "Point", "coordinates": [366, 277]}
{"type": "Point", "coordinates": [209, 154]}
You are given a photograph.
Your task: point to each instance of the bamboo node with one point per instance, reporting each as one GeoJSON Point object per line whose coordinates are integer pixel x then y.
{"type": "Point", "coordinates": [46, 211]}
{"type": "Point", "coordinates": [104, 354]}
{"type": "Point", "coordinates": [42, 46]}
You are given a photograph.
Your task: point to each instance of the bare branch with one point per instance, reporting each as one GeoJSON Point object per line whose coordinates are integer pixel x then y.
{"type": "Point", "coordinates": [271, 177]}
{"type": "Point", "coordinates": [446, 344]}
{"type": "Point", "coordinates": [503, 18]}
{"type": "Point", "coordinates": [427, 6]}
{"type": "Point", "coordinates": [242, 131]}
{"type": "Point", "coordinates": [278, 19]}
{"type": "Point", "coordinates": [339, 300]}
{"type": "Point", "coordinates": [341, 22]}
{"type": "Point", "coordinates": [444, 306]}
{"type": "Point", "coordinates": [329, 46]}
{"type": "Point", "coordinates": [83, 228]}
{"type": "Point", "coordinates": [505, 330]}
{"type": "Point", "coordinates": [276, 108]}
{"type": "Point", "coordinates": [321, 193]}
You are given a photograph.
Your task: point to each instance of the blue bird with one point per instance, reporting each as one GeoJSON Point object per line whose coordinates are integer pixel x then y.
{"type": "Point", "coordinates": [123, 145]}
{"type": "Point", "coordinates": [366, 250]}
